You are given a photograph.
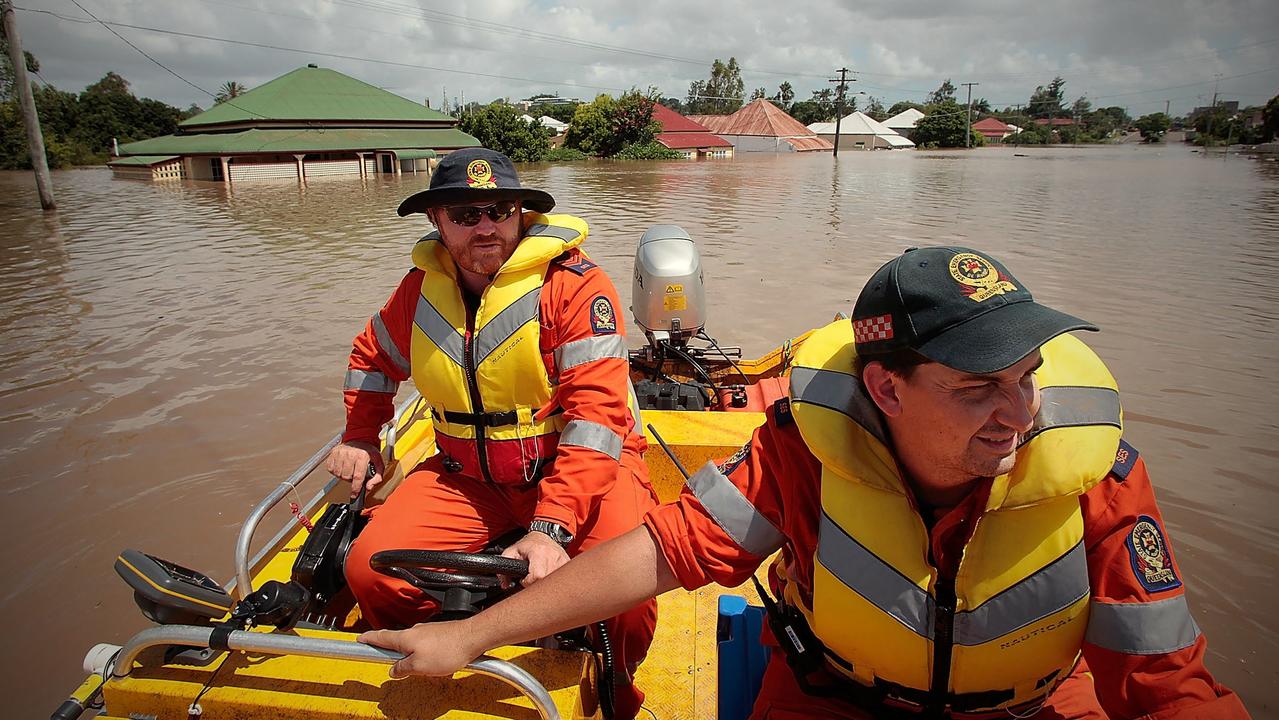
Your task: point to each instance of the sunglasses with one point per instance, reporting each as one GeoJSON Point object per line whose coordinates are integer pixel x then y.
{"type": "Point", "coordinates": [469, 215]}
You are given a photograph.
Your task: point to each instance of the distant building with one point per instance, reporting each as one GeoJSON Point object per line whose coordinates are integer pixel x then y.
{"type": "Point", "coordinates": [993, 129]}
{"type": "Point", "coordinates": [548, 122]}
{"type": "Point", "coordinates": [1055, 122]}
{"type": "Point", "coordinates": [530, 102]}
{"type": "Point", "coordinates": [763, 127]}
{"type": "Point", "coordinates": [904, 122]}
{"type": "Point", "coordinates": [689, 137]}
{"type": "Point", "coordinates": [307, 123]}
{"type": "Point", "coordinates": [859, 131]}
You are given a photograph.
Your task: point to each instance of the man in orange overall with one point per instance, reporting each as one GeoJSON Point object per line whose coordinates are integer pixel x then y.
{"type": "Point", "coordinates": [961, 526]}
{"type": "Point", "coordinates": [512, 335]}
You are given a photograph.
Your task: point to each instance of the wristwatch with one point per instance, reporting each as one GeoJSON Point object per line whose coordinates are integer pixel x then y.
{"type": "Point", "coordinates": [555, 531]}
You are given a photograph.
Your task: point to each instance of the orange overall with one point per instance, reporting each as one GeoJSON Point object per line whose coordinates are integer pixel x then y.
{"type": "Point", "coordinates": [593, 495]}
{"type": "Point", "coordinates": [780, 478]}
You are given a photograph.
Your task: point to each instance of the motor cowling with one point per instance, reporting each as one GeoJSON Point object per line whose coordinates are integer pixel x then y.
{"type": "Point", "coordinates": [668, 297]}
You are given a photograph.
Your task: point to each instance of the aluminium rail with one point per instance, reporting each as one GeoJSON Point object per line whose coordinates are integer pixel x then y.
{"type": "Point", "coordinates": [281, 644]}
{"type": "Point", "coordinates": [243, 583]}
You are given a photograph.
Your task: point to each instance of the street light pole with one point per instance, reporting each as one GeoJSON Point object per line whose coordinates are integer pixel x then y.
{"type": "Point", "coordinates": [969, 130]}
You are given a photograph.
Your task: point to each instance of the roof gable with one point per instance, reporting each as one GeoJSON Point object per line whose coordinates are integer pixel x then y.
{"type": "Point", "coordinates": [905, 119]}
{"type": "Point", "coordinates": [313, 93]}
{"type": "Point", "coordinates": [991, 124]}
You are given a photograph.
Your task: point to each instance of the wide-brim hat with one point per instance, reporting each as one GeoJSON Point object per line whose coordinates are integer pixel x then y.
{"type": "Point", "coordinates": [956, 306]}
{"type": "Point", "coordinates": [475, 175]}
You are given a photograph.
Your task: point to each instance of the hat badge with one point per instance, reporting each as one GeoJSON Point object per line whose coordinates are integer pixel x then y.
{"type": "Point", "coordinates": [479, 175]}
{"type": "Point", "coordinates": [979, 277]}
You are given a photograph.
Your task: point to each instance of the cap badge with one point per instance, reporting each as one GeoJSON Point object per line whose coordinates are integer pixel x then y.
{"type": "Point", "coordinates": [479, 175]}
{"type": "Point", "coordinates": [979, 277]}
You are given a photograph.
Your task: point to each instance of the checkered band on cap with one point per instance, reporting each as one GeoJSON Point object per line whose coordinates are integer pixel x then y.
{"type": "Point", "coordinates": [872, 329]}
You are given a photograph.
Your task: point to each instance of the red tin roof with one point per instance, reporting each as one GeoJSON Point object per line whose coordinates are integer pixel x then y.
{"type": "Point", "coordinates": [686, 140]}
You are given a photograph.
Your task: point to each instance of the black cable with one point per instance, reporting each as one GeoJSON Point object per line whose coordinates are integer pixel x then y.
{"type": "Point", "coordinates": [608, 674]}
{"type": "Point", "coordinates": [191, 709]}
{"type": "Point", "coordinates": [702, 334]}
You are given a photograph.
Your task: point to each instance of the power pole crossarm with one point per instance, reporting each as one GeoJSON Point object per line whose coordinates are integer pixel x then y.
{"type": "Point", "coordinates": [35, 140]}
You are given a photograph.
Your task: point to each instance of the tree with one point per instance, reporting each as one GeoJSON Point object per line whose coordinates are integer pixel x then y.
{"type": "Point", "coordinates": [6, 67]}
{"type": "Point", "coordinates": [607, 126]}
{"type": "Point", "coordinates": [673, 103]}
{"type": "Point", "coordinates": [1270, 120]}
{"type": "Point", "coordinates": [1047, 102]}
{"type": "Point", "coordinates": [1081, 107]}
{"type": "Point", "coordinates": [560, 111]}
{"type": "Point", "coordinates": [230, 89]}
{"type": "Point", "coordinates": [785, 96]}
{"type": "Point", "coordinates": [944, 93]}
{"type": "Point", "coordinates": [499, 127]}
{"type": "Point", "coordinates": [721, 94]}
{"type": "Point", "coordinates": [875, 109]}
{"type": "Point", "coordinates": [758, 94]}
{"type": "Point", "coordinates": [944, 126]}
{"type": "Point", "coordinates": [981, 106]}
{"type": "Point", "coordinates": [1153, 126]}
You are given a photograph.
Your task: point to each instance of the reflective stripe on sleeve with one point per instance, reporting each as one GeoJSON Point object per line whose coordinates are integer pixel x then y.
{"type": "Point", "coordinates": [369, 382]}
{"type": "Point", "coordinates": [735, 515]}
{"type": "Point", "coordinates": [1150, 628]}
{"type": "Point", "coordinates": [588, 350]}
{"type": "Point", "coordinates": [592, 435]}
{"type": "Point", "coordinates": [387, 345]}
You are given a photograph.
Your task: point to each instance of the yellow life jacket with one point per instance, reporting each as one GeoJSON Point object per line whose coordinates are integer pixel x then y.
{"type": "Point", "coordinates": [487, 384]}
{"type": "Point", "coordinates": [1009, 626]}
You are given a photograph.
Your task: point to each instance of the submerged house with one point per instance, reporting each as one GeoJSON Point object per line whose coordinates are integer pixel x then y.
{"type": "Point", "coordinates": [763, 127]}
{"type": "Point", "coordinates": [862, 132]}
{"type": "Point", "coordinates": [688, 137]}
{"type": "Point", "coordinates": [904, 122]}
{"type": "Point", "coordinates": [307, 123]}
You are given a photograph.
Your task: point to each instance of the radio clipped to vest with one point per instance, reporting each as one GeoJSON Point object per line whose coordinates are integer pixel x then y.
{"type": "Point", "coordinates": [804, 653]}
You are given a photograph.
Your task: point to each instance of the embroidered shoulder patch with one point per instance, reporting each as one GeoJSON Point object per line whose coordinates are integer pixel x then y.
{"type": "Point", "coordinates": [732, 461]}
{"type": "Point", "coordinates": [579, 264]}
{"type": "Point", "coordinates": [1148, 553]}
{"type": "Point", "coordinates": [603, 319]}
{"type": "Point", "coordinates": [1125, 459]}
{"type": "Point", "coordinates": [781, 412]}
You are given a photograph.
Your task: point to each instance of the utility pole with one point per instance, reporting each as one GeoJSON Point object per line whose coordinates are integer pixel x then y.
{"type": "Point", "coordinates": [839, 102]}
{"type": "Point", "coordinates": [35, 140]}
{"type": "Point", "coordinates": [1167, 107]}
{"type": "Point", "coordinates": [968, 132]}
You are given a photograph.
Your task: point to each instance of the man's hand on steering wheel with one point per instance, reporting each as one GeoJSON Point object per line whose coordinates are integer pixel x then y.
{"type": "Point", "coordinates": [543, 555]}
{"type": "Point", "coordinates": [350, 461]}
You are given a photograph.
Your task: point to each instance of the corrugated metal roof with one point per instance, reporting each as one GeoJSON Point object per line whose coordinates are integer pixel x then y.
{"type": "Point", "coordinates": [317, 94]}
{"type": "Point", "coordinates": [314, 140]}
{"type": "Point", "coordinates": [686, 140]}
{"type": "Point", "coordinates": [142, 160]}
{"type": "Point", "coordinates": [415, 154]}
{"type": "Point", "coordinates": [809, 144]}
{"type": "Point", "coordinates": [674, 122]}
{"type": "Point", "coordinates": [761, 118]}
{"type": "Point", "coordinates": [714, 123]}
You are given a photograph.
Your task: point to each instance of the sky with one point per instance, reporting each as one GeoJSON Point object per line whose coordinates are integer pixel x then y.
{"type": "Point", "coordinates": [1135, 54]}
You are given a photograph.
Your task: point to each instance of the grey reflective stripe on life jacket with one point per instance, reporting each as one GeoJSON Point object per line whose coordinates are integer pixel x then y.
{"type": "Point", "coordinates": [505, 324]}
{"type": "Point", "coordinates": [1149, 628]}
{"type": "Point", "coordinates": [1075, 406]}
{"type": "Point", "coordinates": [387, 345]}
{"type": "Point", "coordinates": [735, 515]}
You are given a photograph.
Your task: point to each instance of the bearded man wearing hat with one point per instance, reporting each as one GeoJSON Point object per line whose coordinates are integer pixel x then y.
{"type": "Point", "coordinates": [964, 532]}
{"type": "Point", "coordinates": [512, 335]}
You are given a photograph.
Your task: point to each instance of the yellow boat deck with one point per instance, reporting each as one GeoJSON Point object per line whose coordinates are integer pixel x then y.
{"type": "Point", "coordinates": [679, 676]}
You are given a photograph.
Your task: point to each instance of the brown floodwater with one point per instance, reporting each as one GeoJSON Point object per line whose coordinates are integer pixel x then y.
{"type": "Point", "coordinates": [171, 351]}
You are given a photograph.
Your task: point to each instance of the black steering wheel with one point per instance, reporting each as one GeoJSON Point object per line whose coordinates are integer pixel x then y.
{"type": "Point", "coordinates": [442, 571]}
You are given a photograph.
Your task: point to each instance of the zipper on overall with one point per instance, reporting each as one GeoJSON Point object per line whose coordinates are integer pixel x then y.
{"type": "Point", "coordinates": [472, 386]}
{"type": "Point", "coordinates": [943, 645]}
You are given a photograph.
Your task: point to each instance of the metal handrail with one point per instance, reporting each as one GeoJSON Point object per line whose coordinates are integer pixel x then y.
{"type": "Point", "coordinates": [281, 644]}
{"type": "Point", "coordinates": [243, 582]}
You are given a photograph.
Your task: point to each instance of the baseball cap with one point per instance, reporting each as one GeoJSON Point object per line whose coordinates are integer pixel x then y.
{"type": "Point", "coordinates": [956, 306]}
{"type": "Point", "coordinates": [473, 174]}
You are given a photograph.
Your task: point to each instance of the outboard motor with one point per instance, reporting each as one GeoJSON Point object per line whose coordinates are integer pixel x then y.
{"type": "Point", "coordinates": [668, 298]}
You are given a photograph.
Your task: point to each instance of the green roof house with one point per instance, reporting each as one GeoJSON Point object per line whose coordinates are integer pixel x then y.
{"type": "Point", "coordinates": [307, 123]}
